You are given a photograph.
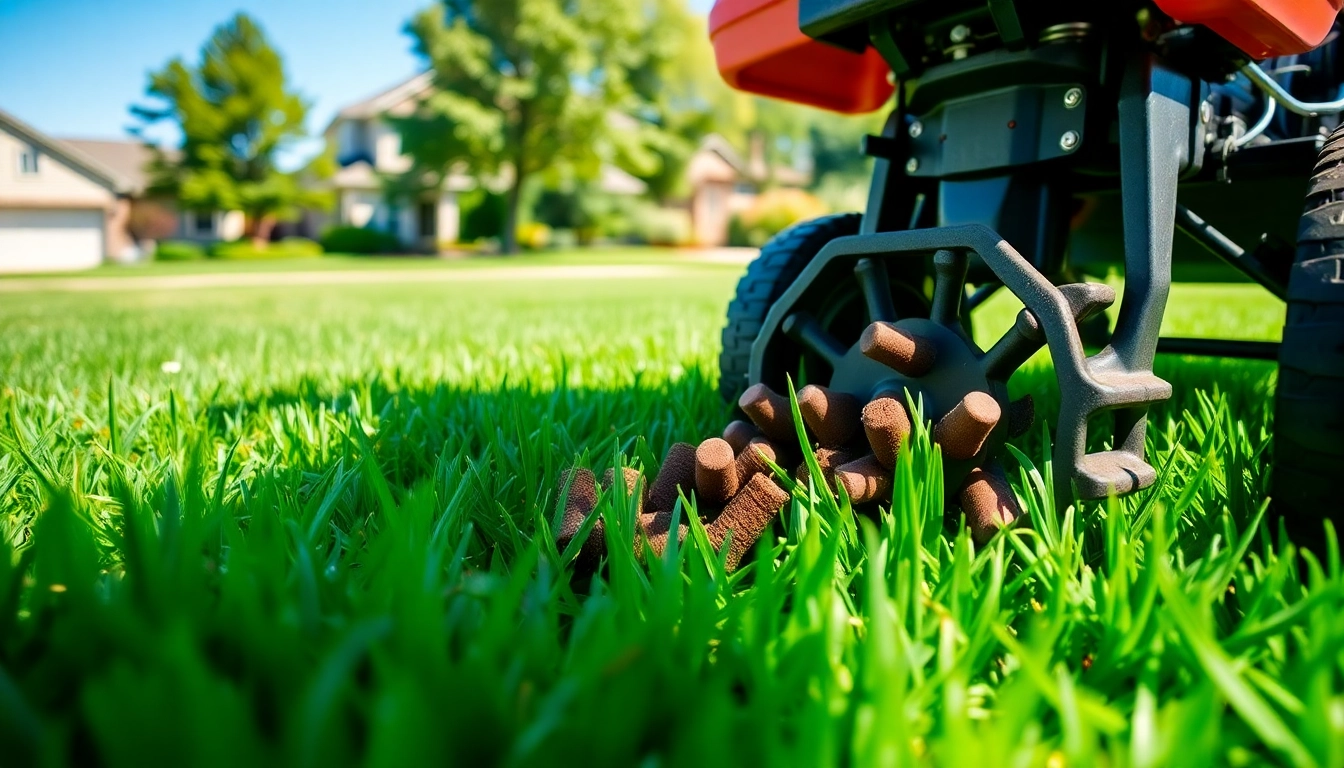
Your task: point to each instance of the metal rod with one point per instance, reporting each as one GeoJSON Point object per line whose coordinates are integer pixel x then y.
{"type": "Point", "coordinates": [917, 212]}
{"type": "Point", "coordinates": [1289, 102]}
{"type": "Point", "coordinates": [1014, 348]}
{"type": "Point", "coordinates": [804, 329]}
{"type": "Point", "coordinates": [1223, 247]}
{"type": "Point", "coordinates": [1246, 350]}
{"type": "Point", "coordinates": [980, 295]}
{"type": "Point", "coordinates": [949, 286]}
{"type": "Point", "coordinates": [876, 285]}
{"type": "Point", "coordinates": [1260, 127]}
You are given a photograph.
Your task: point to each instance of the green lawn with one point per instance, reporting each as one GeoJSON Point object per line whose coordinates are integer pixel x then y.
{"type": "Point", "coordinates": [345, 262]}
{"type": "Point", "coordinates": [324, 540]}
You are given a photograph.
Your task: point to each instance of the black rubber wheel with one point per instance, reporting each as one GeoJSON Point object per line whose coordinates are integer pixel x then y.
{"type": "Point", "coordinates": [835, 300]}
{"type": "Point", "coordinates": [769, 275]}
{"type": "Point", "coordinates": [1309, 404]}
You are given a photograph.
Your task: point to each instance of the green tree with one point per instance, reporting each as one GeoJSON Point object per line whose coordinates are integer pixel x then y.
{"type": "Point", "coordinates": [528, 89]}
{"type": "Point", "coordinates": [236, 114]}
{"type": "Point", "coordinates": [680, 80]}
{"type": "Point", "coordinates": [683, 94]}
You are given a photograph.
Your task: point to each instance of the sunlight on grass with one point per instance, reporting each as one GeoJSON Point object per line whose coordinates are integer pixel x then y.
{"type": "Point", "coordinates": [324, 537]}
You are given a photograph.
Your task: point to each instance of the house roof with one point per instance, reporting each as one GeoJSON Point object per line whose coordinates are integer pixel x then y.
{"type": "Point", "coordinates": [127, 158]}
{"type": "Point", "coordinates": [721, 147]}
{"type": "Point", "coordinates": [401, 98]}
{"type": "Point", "coordinates": [754, 170]}
{"type": "Point", "coordinates": [615, 181]}
{"type": "Point", "coordinates": [397, 100]}
{"type": "Point", "coordinates": [66, 153]}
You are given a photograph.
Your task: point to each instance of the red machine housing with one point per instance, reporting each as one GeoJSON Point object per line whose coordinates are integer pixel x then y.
{"type": "Point", "coordinates": [760, 49]}
{"type": "Point", "coordinates": [1261, 28]}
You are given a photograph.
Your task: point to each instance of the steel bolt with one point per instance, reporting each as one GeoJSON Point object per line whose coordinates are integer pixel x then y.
{"type": "Point", "coordinates": [916, 128]}
{"type": "Point", "coordinates": [960, 33]}
{"type": "Point", "coordinates": [912, 165]}
{"type": "Point", "coordinates": [1069, 141]}
{"type": "Point", "coordinates": [1073, 97]}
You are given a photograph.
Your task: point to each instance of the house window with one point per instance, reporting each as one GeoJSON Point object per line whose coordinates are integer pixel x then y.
{"type": "Point", "coordinates": [28, 161]}
{"type": "Point", "coordinates": [203, 222]}
{"type": "Point", "coordinates": [428, 218]}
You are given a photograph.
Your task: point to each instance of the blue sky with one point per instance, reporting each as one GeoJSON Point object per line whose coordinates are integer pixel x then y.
{"type": "Point", "coordinates": [71, 68]}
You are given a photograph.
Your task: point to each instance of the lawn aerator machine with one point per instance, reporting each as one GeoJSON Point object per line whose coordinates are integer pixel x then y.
{"type": "Point", "coordinates": [1031, 141]}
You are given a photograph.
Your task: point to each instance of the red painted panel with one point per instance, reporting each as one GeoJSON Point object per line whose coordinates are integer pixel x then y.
{"type": "Point", "coordinates": [1261, 28]}
{"type": "Point", "coordinates": [760, 49]}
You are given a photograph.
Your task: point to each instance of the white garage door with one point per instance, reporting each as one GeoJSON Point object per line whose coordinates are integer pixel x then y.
{"type": "Point", "coordinates": [49, 240]}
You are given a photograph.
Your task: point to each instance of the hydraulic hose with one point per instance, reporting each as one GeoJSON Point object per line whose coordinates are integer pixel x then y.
{"type": "Point", "coordinates": [1287, 100]}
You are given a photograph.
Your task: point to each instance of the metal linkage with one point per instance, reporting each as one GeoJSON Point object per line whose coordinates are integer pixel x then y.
{"type": "Point", "coordinates": [1245, 350]}
{"type": "Point", "coordinates": [1287, 100]}
{"type": "Point", "coordinates": [1234, 255]}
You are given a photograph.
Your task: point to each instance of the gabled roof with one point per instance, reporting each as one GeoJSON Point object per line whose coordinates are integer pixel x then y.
{"type": "Point", "coordinates": [615, 181]}
{"type": "Point", "coordinates": [67, 154]}
{"type": "Point", "coordinates": [721, 147]}
{"type": "Point", "coordinates": [755, 170]}
{"type": "Point", "coordinates": [397, 100]}
{"type": "Point", "coordinates": [127, 158]}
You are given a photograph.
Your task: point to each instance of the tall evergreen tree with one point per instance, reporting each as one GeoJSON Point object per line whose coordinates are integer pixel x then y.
{"type": "Point", "coordinates": [236, 113]}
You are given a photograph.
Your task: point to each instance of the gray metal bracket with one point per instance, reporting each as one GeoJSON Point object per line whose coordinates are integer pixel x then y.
{"type": "Point", "coordinates": [1156, 112]}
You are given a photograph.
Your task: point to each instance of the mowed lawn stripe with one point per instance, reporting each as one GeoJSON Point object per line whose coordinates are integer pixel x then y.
{"type": "Point", "coordinates": [352, 277]}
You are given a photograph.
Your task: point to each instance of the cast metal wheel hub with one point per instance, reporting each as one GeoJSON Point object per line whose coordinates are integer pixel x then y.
{"type": "Point", "coordinates": [860, 420]}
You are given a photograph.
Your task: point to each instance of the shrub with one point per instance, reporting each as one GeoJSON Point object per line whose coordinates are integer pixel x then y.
{"type": "Point", "coordinates": [482, 215]}
{"type": "Point", "coordinates": [558, 210]}
{"type": "Point", "coordinates": [534, 235]}
{"type": "Point", "coordinates": [739, 235]}
{"type": "Point", "coordinates": [654, 225]}
{"type": "Point", "coordinates": [772, 212]}
{"type": "Point", "coordinates": [177, 250]}
{"type": "Point", "coordinates": [289, 248]}
{"type": "Point", "coordinates": [359, 240]}
{"type": "Point", "coordinates": [151, 220]}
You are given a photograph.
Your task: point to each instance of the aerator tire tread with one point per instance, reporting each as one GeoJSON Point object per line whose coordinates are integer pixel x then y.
{"type": "Point", "coordinates": [780, 262]}
{"type": "Point", "coordinates": [1309, 402]}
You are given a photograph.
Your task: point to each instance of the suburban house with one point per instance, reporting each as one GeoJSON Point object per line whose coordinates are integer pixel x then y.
{"type": "Point", "coordinates": [368, 151]}
{"type": "Point", "coordinates": [156, 218]}
{"type": "Point", "coordinates": [60, 208]}
{"type": "Point", "coordinates": [724, 184]}
{"type": "Point", "coordinates": [75, 203]}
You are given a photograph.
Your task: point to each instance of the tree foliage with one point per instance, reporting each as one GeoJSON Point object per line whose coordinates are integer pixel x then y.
{"type": "Point", "coordinates": [547, 91]}
{"type": "Point", "coordinates": [531, 87]}
{"type": "Point", "coordinates": [236, 113]}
